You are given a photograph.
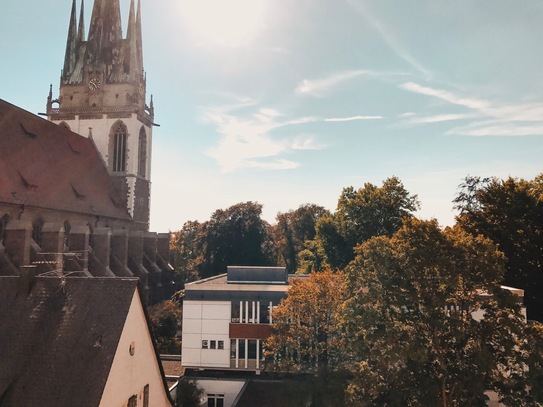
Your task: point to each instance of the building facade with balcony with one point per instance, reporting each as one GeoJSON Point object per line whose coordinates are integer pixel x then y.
{"type": "Point", "coordinates": [227, 318]}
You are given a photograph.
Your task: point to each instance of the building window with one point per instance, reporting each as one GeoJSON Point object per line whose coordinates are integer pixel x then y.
{"type": "Point", "coordinates": [212, 344]}
{"type": "Point", "coordinates": [133, 401]}
{"type": "Point", "coordinates": [235, 311]}
{"type": "Point", "coordinates": [215, 400]}
{"type": "Point", "coordinates": [146, 396]}
{"type": "Point", "coordinates": [205, 344]}
{"type": "Point", "coordinates": [118, 143]}
{"type": "Point", "coordinates": [220, 345]}
{"type": "Point", "coordinates": [142, 153]}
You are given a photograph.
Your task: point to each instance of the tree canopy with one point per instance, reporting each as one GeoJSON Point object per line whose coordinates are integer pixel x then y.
{"type": "Point", "coordinates": [510, 212]}
{"type": "Point", "coordinates": [412, 301]}
{"type": "Point", "coordinates": [362, 214]}
{"type": "Point", "coordinates": [306, 330]}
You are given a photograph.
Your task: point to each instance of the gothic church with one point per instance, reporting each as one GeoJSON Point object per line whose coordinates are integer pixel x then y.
{"type": "Point", "coordinates": [75, 190]}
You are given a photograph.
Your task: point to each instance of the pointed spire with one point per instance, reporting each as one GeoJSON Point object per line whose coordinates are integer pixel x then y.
{"type": "Point", "coordinates": [132, 46]}
{"type": "Point", "coordinates": [69, 58]}
{"type": "Point", "coordinates": [81, 29]}
{"type": "Point", "coordinates": [105, 34]}
{"type": "Point", "coordinates": [139, 39]}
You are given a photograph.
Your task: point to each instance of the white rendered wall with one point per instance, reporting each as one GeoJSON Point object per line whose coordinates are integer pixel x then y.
{"type": "Point", "coordinates": [100, 134]}
{"type": "Point", "coordinates": [206, 320]}
{"type": "Point", "coordinates": [230, 389]}
{"type": "Point", "coordinates": [129, 374]}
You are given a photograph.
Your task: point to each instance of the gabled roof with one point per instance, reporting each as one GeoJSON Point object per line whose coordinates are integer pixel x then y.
{"type": "Point", "coordinates": [59, 338]}
{"type": "Point", "coordinates": [46, 165]}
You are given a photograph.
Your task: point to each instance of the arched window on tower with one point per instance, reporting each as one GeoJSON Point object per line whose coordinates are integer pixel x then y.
{"type": "Point", "coordinates": [65, 125]}
{"type": "Point", "coordinates": [142, 153]}
{"type": "Point", "coordinates": [118, 139]}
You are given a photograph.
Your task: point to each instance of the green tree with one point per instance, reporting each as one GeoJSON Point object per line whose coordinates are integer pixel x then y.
{"type": "Point", "coordinates": [186, 252]}
{"type": "Point", "coordinates": [233, 236]}
{"type": "Point", "coordinates": [306, 326]}
{"type": "Point", "coordinates": [293, 229]}
{"type": "Point", "coordinates": [510, 212]}
{"type": "Point", "coordinates": [410, 319]}
{"type": "Point", "coordinates": [188, 393]}
{"type": "Point", "coordinates": [166, 321]}
{"type": "Point", "coordinates": [362, 214]}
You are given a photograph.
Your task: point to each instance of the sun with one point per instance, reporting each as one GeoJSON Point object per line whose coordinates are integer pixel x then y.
{"type": "Point", "coordinates": [230, 23]}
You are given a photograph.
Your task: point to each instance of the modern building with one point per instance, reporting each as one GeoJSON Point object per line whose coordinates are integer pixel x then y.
{"type": "Point", "coordinates": [81, 341]}
{"type": "Point", "coordinates": [227, 318]}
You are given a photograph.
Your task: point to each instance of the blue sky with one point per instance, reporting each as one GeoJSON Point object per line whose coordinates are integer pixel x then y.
{"type": "Point", "coordinates": [287, 102]}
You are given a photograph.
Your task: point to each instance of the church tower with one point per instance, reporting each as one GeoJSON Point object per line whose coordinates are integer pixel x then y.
{"type": "Point", "coordinates": [103, 97]}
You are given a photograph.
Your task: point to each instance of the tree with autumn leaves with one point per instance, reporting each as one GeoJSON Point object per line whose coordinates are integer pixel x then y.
{"type": "Point", "coordinates": [418, 318]}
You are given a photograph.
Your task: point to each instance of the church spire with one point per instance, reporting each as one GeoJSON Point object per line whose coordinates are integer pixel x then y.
{"type": "Point", "coordinates": [139, 39]}
{"type": "Point", "coordinates": [105, 36]}
{"type": "Point", "coordinates": [132, 43]}
{"type": "Point", "coordinates": [81, 29]}
{"type": "Point", "coordinates": [69, 58]}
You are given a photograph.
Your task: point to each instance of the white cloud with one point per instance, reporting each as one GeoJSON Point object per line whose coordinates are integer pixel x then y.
{"type": "Point", "coordinates": [317, 87]}
{"type": "Point", "coordinates": [352, 118]}
{"type": "Point", "coordinates": [245, 141]}
{"type": "Point", "coordinates": [440, 118]}
{"type": "Point", "coordinates": [306, 142]}
{"type": "Point", "coordinates": [503, 119]}
{"type": "Point", "coordinates": [390, 39]}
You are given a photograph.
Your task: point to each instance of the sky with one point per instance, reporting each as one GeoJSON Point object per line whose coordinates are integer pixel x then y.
{"type": "Point", "coordinates": [288, 102]}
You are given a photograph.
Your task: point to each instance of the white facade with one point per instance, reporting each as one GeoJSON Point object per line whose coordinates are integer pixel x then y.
{"type": "Point", "coordinates": [135, 373]}
{"type": "Point", "coordinates": [206, 321]}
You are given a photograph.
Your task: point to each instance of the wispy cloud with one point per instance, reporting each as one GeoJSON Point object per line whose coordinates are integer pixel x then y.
{"type": "Point", "coordinates": [496, 118]}
{"type": "Point", "coordinates": [246, 142]}
{"type": "Point", "coordinates": [438, 118]}
{"type": "Point", "coordinates": [317, 87]}
{"type": "Point", "coordinates": [352, 118]}
{"type": "Point", "coordinates": [390, 39]}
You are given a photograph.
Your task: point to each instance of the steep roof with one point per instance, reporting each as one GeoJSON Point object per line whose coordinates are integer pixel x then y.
{"type": "Point", "coordinates": [59, 338]}
{"type": "Point", "coordinates": [46, 165]}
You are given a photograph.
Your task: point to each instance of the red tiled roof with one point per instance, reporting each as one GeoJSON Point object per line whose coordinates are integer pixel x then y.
{"type": "Point", "coordinates": [45, 165]}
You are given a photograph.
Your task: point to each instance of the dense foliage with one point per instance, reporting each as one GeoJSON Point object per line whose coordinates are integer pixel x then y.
{"type": "Point", "coordinates": [429, 321]}
{"type": "Point", "coordinates": [166, 319]}
{"type": "Point", "coordinates": [307, 326]}
{"type": "Point", "coordinates": [510, 212]}
{"type": "Point", "coordinates": [411, 315]}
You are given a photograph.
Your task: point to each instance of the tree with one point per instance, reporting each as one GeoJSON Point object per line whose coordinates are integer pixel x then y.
{"type": "Point", "coordinates": [293, 229]}
{"type": "Point", "coordinates": [233, 236]}
{"type": "Point", "coordinates": [188, 393]}
{"type": "Point", "coordinates": [186, 252]}
{"type": "Point", "coordinates": [510, 212]}
{"type": "Point", "coordinates": [362, 214]}
{"type": "Point", "coordinates": [411, 320]}
{"type": "Point", "coordinates": [306, 336]}
{"type": "Point", "coordinates": [166, 321]}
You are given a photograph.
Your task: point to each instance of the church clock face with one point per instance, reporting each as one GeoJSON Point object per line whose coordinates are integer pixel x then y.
{"type": "Point", "coordinates": [94, 84]}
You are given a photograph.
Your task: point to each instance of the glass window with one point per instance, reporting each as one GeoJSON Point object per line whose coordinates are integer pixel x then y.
{"type": "Point", "coordinates": [215, 400]}
{"type": "Point", "coordinates": [119, 146]}
{"type": "Point", "coordinates": [220, 345]}
{"type": "Point", "coordinates": [252, 348]}
{"type": "Point", "coordinates": [212, 344]}
{"type": "Point", "coordinates": [232, 349]}
{"type": "Point", "coordinates": [235, 312]}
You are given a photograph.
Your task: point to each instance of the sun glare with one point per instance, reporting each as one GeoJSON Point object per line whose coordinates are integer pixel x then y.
{"type": "Point", "coordinates": [232, 23]}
